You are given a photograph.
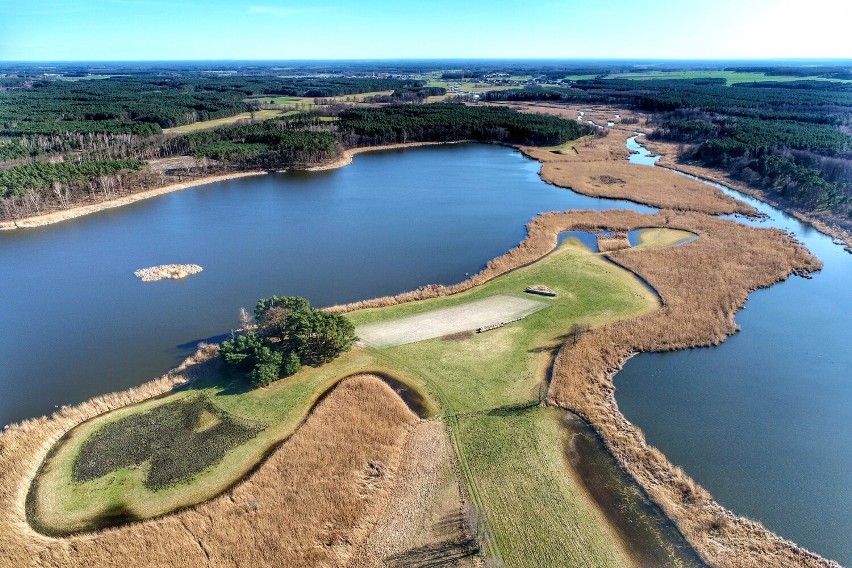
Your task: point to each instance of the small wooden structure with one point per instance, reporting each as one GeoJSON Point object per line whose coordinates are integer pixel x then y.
{"type": "Point", "coordinates": [540, 290]}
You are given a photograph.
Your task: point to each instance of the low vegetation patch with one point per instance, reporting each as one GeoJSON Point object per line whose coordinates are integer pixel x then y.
{"type": "Point", "coordinates": [173, 442]}
{"type": "Point", "coordinates": [167, 271]}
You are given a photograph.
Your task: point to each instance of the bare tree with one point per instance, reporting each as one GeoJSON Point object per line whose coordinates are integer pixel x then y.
{"type": "Point", "coordinates": [246, 320]}
{"type": "Point", "coordinates": [62, 194]}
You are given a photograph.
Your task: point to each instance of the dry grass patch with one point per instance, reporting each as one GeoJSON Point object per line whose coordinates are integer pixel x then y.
{"type": "Point", "coordinates": [427, 521]}
{"type": "Point", "coordinates": [651, 186]}
{"type": "Point", "coordinates": [312, 503]}
{"type": "Point", "coordinates": [243, 117]}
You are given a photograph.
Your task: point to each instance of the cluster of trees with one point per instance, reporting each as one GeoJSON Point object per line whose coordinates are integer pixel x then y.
{"type": "Point", "coordinates": [409, 95]}
{"type": "Point", "coordinates": [46, 175]}
{"type": "Point", "coordinates": [287, 334]}
{"type": "Point", "coordinates": [441, 122]}
{"type": "Point", "coordinates": [272, 144]}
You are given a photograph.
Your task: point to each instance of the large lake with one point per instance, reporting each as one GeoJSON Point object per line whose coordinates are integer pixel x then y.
{"type": "Point", "coordinates": [76, 323]}
{"type": "Point", "coordinates": [764, 421]}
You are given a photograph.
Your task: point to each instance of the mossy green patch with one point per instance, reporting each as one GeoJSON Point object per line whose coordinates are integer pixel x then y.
{"type": "Point", "coordinates": [175, 441]}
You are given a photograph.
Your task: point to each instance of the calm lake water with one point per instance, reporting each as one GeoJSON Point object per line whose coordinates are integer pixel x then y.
{"type": "Point", "coordinates": [76, 323]}
{"type": "Point", "coordinates": [764, 421]}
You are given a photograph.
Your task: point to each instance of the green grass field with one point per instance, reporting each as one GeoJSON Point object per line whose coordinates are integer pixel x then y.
{"type": "Point", "coordinates": [732, 77]}
{"type": "Point", "coordinates": [510, 458]}
{"type": "Point", "coordinates": [226, 121]}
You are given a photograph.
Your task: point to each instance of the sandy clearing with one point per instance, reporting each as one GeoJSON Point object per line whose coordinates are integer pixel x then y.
{"type": "Point", "coordinates": [446, 321]}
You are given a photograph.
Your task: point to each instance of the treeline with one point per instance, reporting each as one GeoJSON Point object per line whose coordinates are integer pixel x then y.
{"type": "Point", "coordinates": [45, 175]}
{"type": "Point", "coordinates": [408, 95]}
{"type": "Point", "coordinates": [312, 87]}
{"type": "Point", "coordinates": [828, 72]}
{"type": "Point", "coordinates": [793, 139]}
{"type": "Point", "coordinates": [442, 122]}
{"type": "Point", "coordinates": [809, 165]}
{"type": "Point", "coordinates": [38, 187]}
{"type": "Point", "coordinates": [52, 114]}
{"type": "Point", "coordinates": [272, 144]}
{"type": "Point", "coordinates": [538, 94]}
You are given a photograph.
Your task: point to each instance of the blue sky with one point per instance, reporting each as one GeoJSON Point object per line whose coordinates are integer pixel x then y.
{"type": "Point", "coordinates": [335, 29]}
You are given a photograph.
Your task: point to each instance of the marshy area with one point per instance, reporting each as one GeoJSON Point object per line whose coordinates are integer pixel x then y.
{"type": "Point", "coordinates": [727, 258]}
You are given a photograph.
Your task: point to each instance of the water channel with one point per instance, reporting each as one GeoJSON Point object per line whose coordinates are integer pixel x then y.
{"type": "Point", "coordinates": [764, 421]}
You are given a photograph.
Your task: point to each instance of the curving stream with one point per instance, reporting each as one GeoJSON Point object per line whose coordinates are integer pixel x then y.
{"type": "Point", "coordinates": [764, 421]}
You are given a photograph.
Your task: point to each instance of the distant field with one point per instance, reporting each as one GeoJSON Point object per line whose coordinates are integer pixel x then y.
{"type": "Point", "coordinates": [307, 103]}
{"type": "Point", "coordinates": [732, 77]}
{"type": "Point", "coordinates": [276, 100]}
{"type": "Point", "coordinates": [226, 121]}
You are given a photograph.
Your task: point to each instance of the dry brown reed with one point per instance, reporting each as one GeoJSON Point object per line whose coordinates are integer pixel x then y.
{"type": "Point", "coordinates": [651, 186]}
{"type": "Point", "coordinates": [424, 523]}
{"type": "Point", "coordinates": [702, 285]}
{"type": "Point", "coordinates": [824, 221]}
{"type": "Point", "coordinates": [312, 503]}
{"type": "Point", "coordinates": [613, 241]}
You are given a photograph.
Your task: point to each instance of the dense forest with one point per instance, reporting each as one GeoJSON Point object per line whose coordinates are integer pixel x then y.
{"type": "Point", "coordinates": [443, 122]}
{"type": "Point", "coordinates": [84, 133]}
{"type": "Point", "coordinates": [72, 140]}
{"type": "Point", "coordinates": [792, 139]}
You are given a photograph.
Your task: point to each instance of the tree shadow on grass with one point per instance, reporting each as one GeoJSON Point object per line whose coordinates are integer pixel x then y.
{"type": "Point", "coordinates": [451, 545]}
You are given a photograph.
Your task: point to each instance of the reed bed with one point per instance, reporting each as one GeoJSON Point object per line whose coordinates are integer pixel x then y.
{"type": "Point", "coordinates": [312, 503]}
{"type": "Point", "coordinates": [612, 241]}
{"type": "Point", "coordinates": [702, 284]}
{"type": "Point", "coordinates": [824, 221]}
{"type": "Point", "coordinates": [651, 186]}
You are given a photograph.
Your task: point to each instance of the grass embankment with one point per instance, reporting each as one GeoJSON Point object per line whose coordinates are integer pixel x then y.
{"type": "Point", "coordinates": [226, 121]}
{"type": "Point", "coordinates": [467, 376]}
{"type": "Point", "coordinates": [310, 503]}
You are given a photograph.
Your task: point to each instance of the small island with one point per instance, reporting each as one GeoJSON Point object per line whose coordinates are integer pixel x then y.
{"type": "Point", "coordinates": [164, 271]}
